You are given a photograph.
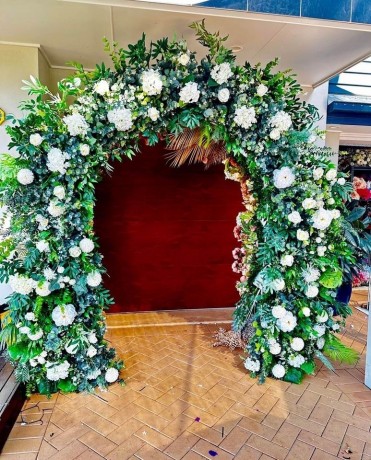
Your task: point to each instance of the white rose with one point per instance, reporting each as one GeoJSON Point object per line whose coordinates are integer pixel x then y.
{"type": "Point", "coordinates": [25, 176]}
{"type": "Point", "coordinates": [311, 291]}
{"type": "Point", "coordinates": [318, 173]}
{"type": "Point", "coordinates": [59, 191]}
{"type": "Point", "coordinates": [335, 213]}
{"type": "Point", "coordinates": [322, 318]}
{"type": "Point", "coordinates": [341, 181]}
{"type": "Point", "coordinates": [331, 174]}
{"type": "Point", "coordinates": [275, 134]}
{"type": "Point", "coordinates": [278, 371]}
{"type": "Point", "coordinates": [183, 59]}
{"type": "Point", "coordinates": [30, 316]}
{"type": "Point", "coordinates": [287, 260]}
{"type": "Point", "coordinates": [261, 90]}
{"type": "Point", "coordinates": [278, 284]}
{"type": "Point", "coordinates": [322, 219]}
{"type": "Point", "coordinates": [112, 375]}
{"type": "Point", "coordinates": [84, 149]}
{"type": "Point", "coordinates": [297, 344]}
{"type": "Point", "coordinates": [321, 250]}
{"type": "Point", "coordinates": [94, 279]}
{"type": "Point", "coordinates": [75, 251]}
{"type": "Point", "coordinates": [294, 217]}
{"type": "Point", "coordinates": [101, 87]}
{"type": "Point", "coordinates": [223, 95]}
{"type": "Point", "coordinates": [153, 113]}
{"type": "Point", "coordinates": [43, 290]}
{"type": "Point", "coordinates": [306, 311]}
{"type": "Point", "coordinates": [91, 351]}
{"type": "Point", "coordinates": [36, 139]}
{"type": "Point", "coordinates": [86, 245]}
{"type": "Point", "coordinates": [309, 203]}
{"type": "Point", "coordinates": [279, 311]}
{"type": "Point", "coordinates": [283, 178]}
{"type": "Point", "coordinates": [302, 235]}
{"type": "Point", "coordinates": [92, 337]}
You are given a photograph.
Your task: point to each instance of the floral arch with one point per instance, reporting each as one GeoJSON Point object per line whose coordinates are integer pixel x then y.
{"type": "Point", "coordinates": [293, 252]}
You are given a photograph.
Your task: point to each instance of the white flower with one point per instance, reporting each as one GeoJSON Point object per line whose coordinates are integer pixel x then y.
{"type": "Point", "coordinates": [322, 318]}
{"type": "Point", "coordinates": [112, 375]}
{"type": "Point", "coordinates": [318, 240]}
{"type": "Point", "coordinates": [296, 361]}
{"type": "Point", "coordinates": [33, 362]}
{"type": "Point", "coordinates": [330, 201]}
{"type": "Point", "coordinates": [41, 360]}
{"type": "Point", "coordinates": [275, 348]}
{"type": "Point", "coordinates": [335, 213]}
{"type": "Point", "coordinates": [42, 221]}
{"type": "Point", "coordinates": [54, 209]}
{"type": "Point", "coordinates": [223, 95]}
{"type": "Point", "coordinates": [283, 178]}
{"type": "Point", "coordinates": [84, 149]}
{"type": "Point", "coordinates": [306, 311]}
{"type": "Point", "coordinates": [335, 327]}
{"type": "Point", "coordinates": [43, 246]}
{"type": "Point", "coordinates": [75, 251]}
{"type": "Point", "coordinates": [302, 235]}
{"type": "Point", "coordinates": [287, 260]}
{"type": "Point", "coordinates": [21, 284]}
{"type": "Point", "coordinates": [281, 120]}
{"type": "Point", "coordinates": [121, 118]}
{"type": "Point", "coordinates": [252, 365]}
{"type": "Point", "coordinates": [320, 329]}
{"type": "Point", "coordinates": [64, 315]}
{"type": "Point", "coordinates": [71, 348]}
{"type": "Point", "coordinates": [275, 134]}
{"type": "Point", "coordinates": [189, 93]}
{"type": "Point", "coordinates": [49, 274]}
{"type": "Point", "coordinates": [278, 311]}
{"type": "Point", "coordinates": [60, 269]}
{"type": "Point", "coordinates": [43, 290]}
{"type": "Point", "coordinates": [36, 336]}
{"type": "Point", "coordinates": [30, 316]}
{"type": "Point", "coordinates": [25, 176]}
{"type": "Point", "coordinates": [77, 82]}
{"type": "Point", "coordinates": [183, 59]}
{"type": "Point", "coordinates": [101, 87]}
{"type": "Point", "coordinates": [91, 351]}
{"type": "Point", "coordinates": [331, 174]}
{"type": "Point", "coordinates": [151, 82]}
{"type": "Point", "coordinates": [24, 330]}
{"type": "Point", "coordinates": [93, 374]}
{"type": "Point", "coordinates": [311, 291]}
{"type": "Point", "coordinates": [278, 284]}
{"type": "Point", "coordinates": [245, 117]}
{"type": "Point", "coordinates": [221, 73]}
{"type": "Point", "coordinates": [36, 139]}
{"type": "Point", "coordinates": [287, 323]}
{"type": "Point", "coordinates": [341, 181]}
{"type": "Point", "coordinates": [297, 344]}
{"type": "Point", "coordinates": [318, 173]}
{"type": "Point", "coordinates": [294, 217]}
{"type": "Point", "coordinates": [56, 161]}
{"type": "Point", "coordinates": [76, 124]}
{"type": "Point", "coordinates": [278, 371]}
{"type": "Point", "coordinates": [320, 343]}
{"type": "Point", "coordinates": [92, 337]}
{"type": "Point", "coordinates": [86, 245]}
{"type": "Point", "coordinates": [56, 371]}
{"type": "Point", "coordinates": [309, 203]}
{"type": "Point", "coordinates": [94, 279]}
{"type": "Point", "coordinates": [322, 219]}
{"type": "Point", "coordinates": [261, 90]}
{"type": "Point", "coordinates": [153, 113]}
{"type": "Point", "coordinates": [321, 250]}
{"type": "Point", "coordinates": [311, 274]}
{"type": "Point", "coordinates": [60, 192]}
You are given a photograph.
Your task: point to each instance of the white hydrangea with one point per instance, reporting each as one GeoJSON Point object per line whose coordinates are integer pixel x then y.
{"type": "Point", "coordinates": [287, 323]}
{"type": "Point", "coordinates": [320, 342]}
{"type": "Point", "coordinates": [84, 149]}
{"type": "Point", "coordinates": [322, 318]}
{"type": "Point", "coordinates": [101, 87]}
{"type": "Point", "coordinates": [311, 274]}
{"type": "Point", "coordinates": [64, 315]}
{"type": "Point", "coordinates": [306, 311]}
{"type": "Point", "coordinates": [91, 351]}
{"type": "Point", "coordinates": [54, 209]}
{"type": "Point", "coordinates": [311, 291]}
{"type": "Point", "coordinates": [30, 316]}
{"type": "Point", "coordinates": [296, 361]}
{"type": "Point", "coordinates": [335, 213]}
{"type": "Point", "coordinates": [112, 375]}
{"type": "Point", "coordinates": [302, 235]}
{"type": "Point", "coordinates": [86, 245]}
{"type": "Point", "coordinates": [25, 176]}
{"type": "Point", "coordinates": [278, 311]}
{"type": "Point", "coordinates": [55, 372]}
{"type": "Point", "coordinates": [151, 82]}
{"type": "Point", "coordinates": [294, 217]}
{"type": "Point", "coordinates": [42, 221]}
{"type": "Point", "coordinates": [36, 335]}
{"type": "Point", "coordinates": [221, 73]}
{"type": "Point", "coordinates": [309, 203]}
{"type": "Point", "coordinates": [223, 95]}
{"type": "Point", "coordinates": [22, 284]}
{"type": "Point", "coordinates": [252, 365]}
{"type": "Point", "coordinates": [36, 139]}
{"type": "Point", "coordinates": [278, 371]}
{"type": "Point", "coordinates": [43, 246]}
{"type": "Point", "coordinates": [60, 192]}
{"type": "Point", "coordinates": [322, 219]}
{"type": "Point", "coordinates": [278, 284]}
{"type": "Point", "coordinates": [283, 178]}
{"type": "Point", "coordinates": [341, 181]}
{"type": "Point", "coordinates": [183, 59]}
{"type": "Point", "coordinates": [56, 161]}
{"type": "Point", "coordinates": [94, 279]}
{"type": "Point", "coordinates": [76, 124]}
{"type": "Point", "coordinates": [331, 174]}
{"type": "Point", "coordinates": [287, 260]}
{"type": "Point", "coordinates": [121, 118]}
{"type": "Point", "coordinates": [189, 93]}
{"type": "Point", "coordinates": [318, 173]}
{"type": "Point", "coordinates": [245, 117]}
{"type": "Point", "coordinates": [261, 90]}
{"type": "Point", "coordinates": [281, 120]}
{"type": "Point", "coordinates": [153, 114]}
{"type": "Point", "coordinates": [297, 344]}
{"type": "Point", "coordinates": [275, 134]}
{"type": "Point", "coordinates": [75, 251]}
{"type": "Point", "coordinates": [321, 250]}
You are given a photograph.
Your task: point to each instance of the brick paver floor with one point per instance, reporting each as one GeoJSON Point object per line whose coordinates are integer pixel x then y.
{"type": "Point", "coordinates": [186, 400]}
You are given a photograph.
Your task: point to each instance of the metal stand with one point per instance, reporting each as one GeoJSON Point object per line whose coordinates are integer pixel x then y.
{"type": "Point", "coordinates": [368, 348]}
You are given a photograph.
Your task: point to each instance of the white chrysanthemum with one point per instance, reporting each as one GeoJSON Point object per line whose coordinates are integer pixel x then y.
{"type": "Point", "coordinates": [245, 117]}
{"type": "Point", "coordinates": [36, 139]}
{"type": "Point", "coordinates": [297, 344]}
{"type": "Point", "coordinates": [101, 87]}
{"type": "Point", "coordinates": [21, 284]}
{"type": "Point", "coordinates": [189, 93]}
{"type": "Point", "coordinates": [294, 217]}
{"type": "Point", "coordinates": [287, 260]}
{"type": "Point", "coordinates": [151, 82]}
{"type": "Point", "coordinates": [281, 120]}
{"type": "Point", "coordinates": [183, 59]}
{"type": "Point", "coordinates": [252, 365]}
{"type": "Point", "coordinates": [306, 311]}
{"type": "Point", "coordinates": [54, 209]}
{"type": "Point", "coordinates": [311, 274]}
{"type": "Point", "coordinates": [60, 192]}
{"type": "Point", "coordinates": [296, 361]}
{"type": "Point", "coordinates": [278, 311]}
{"type": "Point", "coordinates": [92, 337]}
{"type": "Point", "coordinates": [94, 279]}
{"type": "Point", "coordinates": [64, 315]}
{"type": "Point", "coordinates": [318, 173]}
{"type": "Point", "coordinates": [91, 351]}
{"type": "Point", "coordinates": [30, 316]}
{"type": "Point", "coordinates": [278, 284]}
{"type": "Point", "coordinates": [49, 274]}
{"type": "Point", "coordinates": [121, 118]}
{"type": "Point", "coordinates": [36, 335]}
{"type": "Point", "coordinates": [56, 161]}
{"type": "Point", "coordinates": [55, 372]}
{"type": "Point", "coordinates": [43, 246]}
{"type": "Point", "coordinates": [112, 375]}
{"type": "Point", "coordinates": [283, 178]}
{"type": "Point", "coordinates": [43, 289]}
{"type": "Point", "coordinates": [93, 374]}
{"type": "Point", "coordinates": [341, 181]}
{"type": "Point", "coordinates": [335, 213]}
{"type": "Point", "coordinates": [75, 251]}
{"type": "Point", "coordinates": [223, 95]}
{"type": "Point", "coordinates": [321, 250]}
{"type": "Point", "coordinates": [86, 245]}
{"type": "Point", "coordinates": [25, 176]}
{"type": "Point", "coordinates": [322, 219]}
{"type": "Point", "coordinates": [261, 90]}
{"type": "Point", "coordinates": [331, 174]}
{"type": "Point", "coordinates": [275, 134]}
{"type": "Point", "coordinates": [76, 124]}
{"type": "Point", "coordinates": [311, 291]}
{"type": "Point", "coordinates": [221, 73]}
{"type": "Point", "coordinates": [287, 323]}
{"type": "Point", "coordinates": [84, 149]}
{"type": "Point", "coordinates": [302, 235]}
{"type": "Point", "coordinates": [322, 318]}
{"type": "Point", "coordinates": [278, 371]}
{"type": "Point", "coordinates": [320, 342]}
{"type": "Point", "coordinates": [42, 221]}
{"type": "Point", "coordinates": [309, 203]}
{"type": "Point", "coordinates": [275, 348]}
{"type": "Point", "coordinates": [320, 329]}
{"type": "Point", "coordinates": [153, 114]}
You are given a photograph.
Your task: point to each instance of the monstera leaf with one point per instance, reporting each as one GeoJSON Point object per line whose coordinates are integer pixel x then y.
{"type": "Point", "coordinates": [331, 278]}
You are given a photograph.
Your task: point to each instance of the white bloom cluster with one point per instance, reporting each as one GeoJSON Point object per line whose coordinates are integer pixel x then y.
{"type": "Point", "coordinates": [223, 95]}
{"type": "Point", "coordinates": [261, 90]}
{"type": "Point", "coordinates": [311, 291]}
{"type": "Point", "coordinates": [55, 371]}
{"type": "Point", "coordinates": [281, 121]}
{"type": "Point", "coordinates": [94, 279]}
{"type": "Point", "coordinates": [274, 347]}
{"type": "Point", "coordinates": [153, 113]}
{"type": "Point", "coordinates": [183, 59]}
{"type": "Point", "coordinates": [25, 176]}
{"type": "Point", "coordinates": [297, 344]}
{"type": "Point", "coordinates": [39, 359]}
{"type": "Point", "coordinates": [189, 93]}
{"type": "Point", "coordinates": [309, 203]}
{"type": "Point", "coordinates": [245, 117]}
{"type": "Point", "coordinates": [57, 161]}
{"type": "Point", "coordinates": [86, 245]}
{"type": "Point", "coordinates": [101, 87]}
{"type": "Point", "coordinates": [49, 274]}
{"type": "Point", "coordinates": [278, 371]}
{"type": "Point", "coordinates": [60, 192]}
{"type": "Point", "coordinates": [84, 149]}
{"type": "Point", "coordinates": [302, 235]}
{"type": "Point", "coordinates": [294, 217]}
{"type": "Point", "coordinates": [252, 365]}
{"type": "Point", "coordinates": [64, 315]}
{"type": "Point", "coordinates": [296, 361]}
{"type": "Point", "coordinates": [221, 73]}
{"type": "Point", "coordinates": [111, 375]}
{"type": "Point", "coordinates": [151, 82]}
{"type": "Point", "coordinates": [287, 323]}
{"type": "Point", "coordinates": [22, 284]}
{"type": "Point", "coordinates": [43, 246]}
{"type": "Point", "coordinates": [311, 274]}
{"type": "Point", "coordinates": [121, 118]}
{"type": "Point", "coordinates": [76, 124]}
{"type": "Point", "coordinates": [283, 177]}
{"type": "Point", "coordinates": [42, 221]}
{"type": "Point", "coordinates": [322, 219]}
{"type": "Point", "coordinates": [287, 260]}
{"type": "Point", "coordinates": [55, 209]}
{"type": "Point", "coordinates": [36, 139]}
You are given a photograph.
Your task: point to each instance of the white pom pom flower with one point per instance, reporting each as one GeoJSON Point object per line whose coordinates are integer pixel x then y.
{"type": "Point", "coordinates": [64, 315]}
{"type": "Point", "coordinates": [36, 139]}
{"type": "Point", "coordinates": [25, 176]}
{"type": "Point", "coordinates": [94, 279]}
{"type": "Point", "coordinates": [297, 344]}
{"type": "Point", "coordinates": [86, 245]}
{"type": "Point", "coordinates": [111, 375]}
{"type": "Point", "coordinates": [278, 371]}
{"type": "Point", "coordinates": [283, 178]}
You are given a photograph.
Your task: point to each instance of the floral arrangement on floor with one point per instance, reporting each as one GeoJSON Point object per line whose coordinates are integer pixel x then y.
{"type": "Point", "coordinates": [292, 241]}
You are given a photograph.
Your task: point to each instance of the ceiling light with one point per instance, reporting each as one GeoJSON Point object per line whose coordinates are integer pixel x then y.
{"type": "Point", "coordinates": [236, 49]}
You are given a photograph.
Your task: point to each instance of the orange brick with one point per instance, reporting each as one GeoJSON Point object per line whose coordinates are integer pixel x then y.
{"type": "Point", "coordinates": [203, 447]}
{"type": "Point", "coordinates": [300, 451]}
{"type": "Point", "coordinates": [248, 453]}
{"type": "Point", "coordinates": [97, 442]}
{"type": "Point", "coordinates": [321, 414]}
{"type": "Point", "coordinates": [286, 435]}
{"type": "Point", "coordinates": [359, 434]}
{"type": "Point", "coordinates": [153, 437]}
{"type": "Point", "coordinates": [320, 443]}
{"type": "Point", "coordinates": [267, 447]}
{"type": "Point", "coordinates": [125, 450]}
{"type": "Point", "coordinates": [235, 440]}
{"type": "Point", "coordinates": [308, 400]}
{"type": "Point", "coordinates": [320, 455]}
{"type": "Point", "coordinates": [305, 424]}
{"type": "Point", "coordinates": [181, 445]}
{"type": "Point", "coordinates": [257, 428]}
{"type": "Point", "coordinates": [335, 430]}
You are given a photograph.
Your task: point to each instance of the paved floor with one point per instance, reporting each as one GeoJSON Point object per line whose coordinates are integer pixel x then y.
{"type": "Point", "coordinates": [186, 400]}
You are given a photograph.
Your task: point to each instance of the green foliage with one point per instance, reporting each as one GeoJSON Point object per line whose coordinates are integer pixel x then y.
{"type": "Point", "coordinates": [331, 278]}
{"type": "Point", "coordinates": [337, 351]}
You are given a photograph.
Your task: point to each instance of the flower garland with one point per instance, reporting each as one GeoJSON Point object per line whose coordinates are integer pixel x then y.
{"type": "Point", "coordinates": [55, 326]}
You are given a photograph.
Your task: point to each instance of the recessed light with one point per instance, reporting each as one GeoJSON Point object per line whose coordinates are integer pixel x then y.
{"type": "Point", "coordinates": [236, 49]}
{"type": "Point", "coordinates": [334, 127]}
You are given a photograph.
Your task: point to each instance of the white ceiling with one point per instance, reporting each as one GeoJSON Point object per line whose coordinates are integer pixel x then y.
{"type": "Point", "coordinates": [352, 134]}
{"type": "Point", "coordinates": [73, 30]}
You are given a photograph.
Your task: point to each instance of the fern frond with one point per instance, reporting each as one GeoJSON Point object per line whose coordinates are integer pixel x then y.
{"type": "Point", "coordinates": [337, 351]}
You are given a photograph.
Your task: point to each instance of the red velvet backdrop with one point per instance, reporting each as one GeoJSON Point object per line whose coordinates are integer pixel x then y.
{"type": "Point", "coordinates": [167, 234]}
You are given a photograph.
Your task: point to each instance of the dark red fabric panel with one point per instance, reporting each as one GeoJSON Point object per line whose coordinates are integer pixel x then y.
{"type": "Point", "coordinates": [167, 234]}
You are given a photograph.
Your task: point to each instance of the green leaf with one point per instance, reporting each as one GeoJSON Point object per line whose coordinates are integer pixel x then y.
{"type": "Point", "coordinates": [308, 367]}
{"type": "Point", "coordinates": [331, 278]}
{"type": "Point", "coordinates": [67, 386]}
{"type": "Point", "coordinates": [337, 351]}
{"type": "Point", "coordinates": [294, 375]}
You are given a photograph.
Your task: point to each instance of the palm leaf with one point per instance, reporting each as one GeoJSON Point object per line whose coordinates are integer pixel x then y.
{"type": "Point", "coordinates": [337, 351]}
